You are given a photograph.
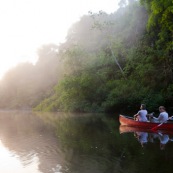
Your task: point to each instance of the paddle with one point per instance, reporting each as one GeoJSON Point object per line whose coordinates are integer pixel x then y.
{"type": "Point", "coordinates": [155, 128]}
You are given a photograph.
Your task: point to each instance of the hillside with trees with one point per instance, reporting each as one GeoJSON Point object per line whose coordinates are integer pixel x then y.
{"type": "Point", "coordinates": [109, 62]}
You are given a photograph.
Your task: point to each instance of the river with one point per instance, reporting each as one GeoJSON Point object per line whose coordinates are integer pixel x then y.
{"type": "Point", "coordinates": [33, 142]}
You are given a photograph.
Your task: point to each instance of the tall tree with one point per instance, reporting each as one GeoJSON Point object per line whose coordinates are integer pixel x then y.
{"type": "Point", "coordinates": [160, 28]}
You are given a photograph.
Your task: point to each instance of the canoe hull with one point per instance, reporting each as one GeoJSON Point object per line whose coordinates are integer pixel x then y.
{"type": "Point", "coordinates": [129, 121]}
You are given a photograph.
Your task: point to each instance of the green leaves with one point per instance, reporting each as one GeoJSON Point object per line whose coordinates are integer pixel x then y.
{"type": "Point", "coordinates": [113, 62]}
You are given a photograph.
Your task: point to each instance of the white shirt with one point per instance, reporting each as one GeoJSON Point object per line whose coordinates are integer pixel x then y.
{"type": "Point", "coordinates": [163, 117]}
{"type": "Point", "coordinates": [142, 115]}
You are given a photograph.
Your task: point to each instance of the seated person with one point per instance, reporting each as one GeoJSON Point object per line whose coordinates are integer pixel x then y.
{"type": "Point", "coordinates": [142, 114]}
{"type": "Point", "coordinates": [163, 116]}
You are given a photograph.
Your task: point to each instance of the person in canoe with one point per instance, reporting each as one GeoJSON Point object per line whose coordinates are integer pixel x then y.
{"type": "Point", "coordinates": [163, 116]}
{"type": "Point", "coordinates": [142, 114]}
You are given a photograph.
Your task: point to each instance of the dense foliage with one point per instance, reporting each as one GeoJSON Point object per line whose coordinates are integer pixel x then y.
{"type": "Point", "coordinates": [109, 62]}
{"type": "Point", "coordinates": [116, 61]}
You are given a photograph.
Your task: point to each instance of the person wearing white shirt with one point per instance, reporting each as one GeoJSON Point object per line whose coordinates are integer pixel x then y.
{"type": "Point", "coordinates": [163, 116]}
{"type": "Point", "coordinates": [142, 114]}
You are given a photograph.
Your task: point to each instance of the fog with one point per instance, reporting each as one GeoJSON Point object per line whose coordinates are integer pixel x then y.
{"type": "Point", "coordinates": [95, 42]}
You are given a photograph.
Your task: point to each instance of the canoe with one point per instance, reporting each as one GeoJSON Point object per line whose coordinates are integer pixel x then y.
{"type": "Point", "coordinates": [129, 121]}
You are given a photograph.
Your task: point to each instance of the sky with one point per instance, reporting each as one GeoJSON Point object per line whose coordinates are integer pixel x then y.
{"type": "Point", "coordinates": [26, 25]}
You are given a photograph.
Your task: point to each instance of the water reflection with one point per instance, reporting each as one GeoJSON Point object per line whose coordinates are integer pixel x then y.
{"type": "Point", "coordinates": [10, 163]}
{"type": "Point", "coordinates": [145, 136]}
{"type": "Point", "coordinates": [75, 143]}
{"type": "Point", "coordinates": [87, 141]}
{"type": "Point", "coordinates": [58, 142]}
{"type": "Point", "coordinates": [28, 142]}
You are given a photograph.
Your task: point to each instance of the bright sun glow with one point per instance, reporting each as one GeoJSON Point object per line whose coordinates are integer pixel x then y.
{"type": "Point", "coordinates": [28, 24]}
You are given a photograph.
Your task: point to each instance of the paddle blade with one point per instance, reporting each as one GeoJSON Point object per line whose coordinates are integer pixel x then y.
{"type": "Point", "coordinates": [154, 128]}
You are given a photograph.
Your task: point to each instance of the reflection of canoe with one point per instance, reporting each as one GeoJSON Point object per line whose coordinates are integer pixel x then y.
{"type": "Point", "coordinates": [129, 121]}
{"type": "Point", "coordinates": [128, 129]}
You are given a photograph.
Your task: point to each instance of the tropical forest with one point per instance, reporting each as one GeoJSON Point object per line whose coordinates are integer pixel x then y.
{"type": "Point", "coordinates": [108, 62]}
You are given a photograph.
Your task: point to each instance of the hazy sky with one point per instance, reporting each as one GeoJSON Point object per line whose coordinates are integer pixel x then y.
{"type": "Point", "coordinates": [28, 24]}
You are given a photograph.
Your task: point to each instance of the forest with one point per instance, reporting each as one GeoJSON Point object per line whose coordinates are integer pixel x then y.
{"type": "Point", "coordinates": [108, 62]}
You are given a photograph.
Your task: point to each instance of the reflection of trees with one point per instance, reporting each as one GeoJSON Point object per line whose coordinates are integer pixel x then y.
{"type": "Point", "coordinates": [25, 135]}
{"type": "Point", "coordinates": [89, 141]}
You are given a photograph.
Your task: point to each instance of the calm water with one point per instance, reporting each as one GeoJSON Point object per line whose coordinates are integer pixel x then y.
{"type": "Point", "coordinates": [78, 143]}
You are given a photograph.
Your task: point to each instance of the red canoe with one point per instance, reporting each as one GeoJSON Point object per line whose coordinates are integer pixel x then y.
{"type": "Point", "coordinates": [129, 121]}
